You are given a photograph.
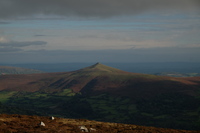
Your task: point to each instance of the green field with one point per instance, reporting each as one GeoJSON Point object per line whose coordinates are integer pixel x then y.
{"type": "Point", "coordinates": [171, 111]}
{"type": "Point", "coordinates": [5, 95]}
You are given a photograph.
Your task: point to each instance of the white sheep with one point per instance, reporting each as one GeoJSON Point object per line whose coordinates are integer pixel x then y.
{"type": "Point", "coordinates": [52, 118]}
{"type": "Point", "coordinates": [83, 129]}
{"type": "Point", "coordinates": [42, 124]}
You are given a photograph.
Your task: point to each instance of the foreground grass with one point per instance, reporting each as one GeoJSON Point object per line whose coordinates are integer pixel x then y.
{"type": "Point", "coordinates": [30, 124]}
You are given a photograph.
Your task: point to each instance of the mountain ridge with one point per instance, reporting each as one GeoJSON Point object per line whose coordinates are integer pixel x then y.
{"type": "Point", "coordinates": [104, 76]}
{"type": "Point", "coordinates": [104, 93]}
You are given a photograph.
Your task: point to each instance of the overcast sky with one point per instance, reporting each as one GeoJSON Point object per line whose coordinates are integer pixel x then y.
{"type": "Point", "coordinates": [52, 31]}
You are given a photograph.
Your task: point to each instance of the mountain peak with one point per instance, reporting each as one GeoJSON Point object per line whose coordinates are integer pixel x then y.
{"type": "Point", "coordinates": [102, 68]}
{"type": "Point", "coordinates": [97, 65]}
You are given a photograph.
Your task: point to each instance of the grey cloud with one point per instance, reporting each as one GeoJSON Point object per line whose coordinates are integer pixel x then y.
{"type": "Point", "coordinates": [90, 8]}
{"type": "Point", "coordinates": [4, 22]}
{"type": "Point", "coordinates": [39, 35]}
{"type": "Point", "coordinates": [17, 46]}
{"type": "Point", "coordinates": [21, 44]}
{"type": "Point", "coordinates": [9, 49]}
{"type": "Point", "coordinates": [170, 54]}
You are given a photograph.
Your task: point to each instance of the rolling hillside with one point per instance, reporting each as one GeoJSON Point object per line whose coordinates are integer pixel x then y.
{"type": "Point", "coordinates": [104, 93]}
{"type": "Point", "coordinates": [4, 70]}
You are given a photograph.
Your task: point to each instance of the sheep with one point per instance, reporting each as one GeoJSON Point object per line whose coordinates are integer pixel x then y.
{"type": "Point", "coordinates": [52, 118]}
{"type": "Point", "coordinates": [83, 129]}
{"type": "Point", "coordinates": [42, 124]}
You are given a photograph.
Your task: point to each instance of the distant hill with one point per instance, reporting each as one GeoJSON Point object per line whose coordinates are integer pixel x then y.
{"type": "Point", "coordinates": [103, 93]}
{"type": "Point", "coordinates": [176, 74]}
{"type": "Point", "coordinates": [4, 70]}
